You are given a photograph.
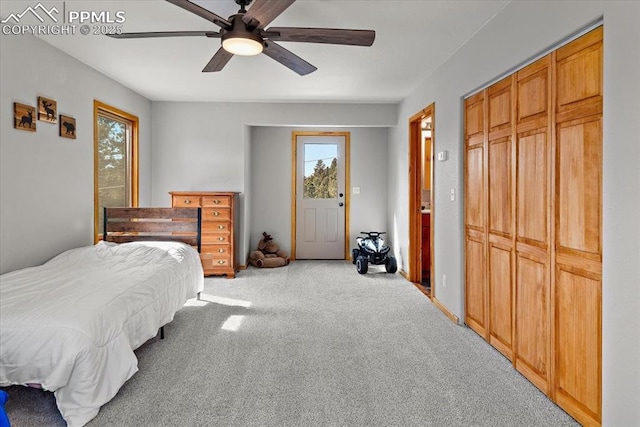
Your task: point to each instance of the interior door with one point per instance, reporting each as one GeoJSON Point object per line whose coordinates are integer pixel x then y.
{"type": "Point", "coordinates": [320, 196]}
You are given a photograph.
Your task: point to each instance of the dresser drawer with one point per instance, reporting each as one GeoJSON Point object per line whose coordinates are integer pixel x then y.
{"type": "Point", "coordinates": [216, 201]}
{"type": "Point", "coordinates": [213, 262]}
{"type": "Point", "coordinates": [216, 238]}
{"type": "Point", "coordinates": [186, 201]}
{"type": "Point", "coordinates": [214, 214]}
{"type": "Point", "coordinates": [216, 226]}
{"type": "Point", "coordinates": [216, 251]}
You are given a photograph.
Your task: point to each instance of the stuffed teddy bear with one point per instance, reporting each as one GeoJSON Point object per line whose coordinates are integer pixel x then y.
{"type": "Point", "coordinates": [268, 254]}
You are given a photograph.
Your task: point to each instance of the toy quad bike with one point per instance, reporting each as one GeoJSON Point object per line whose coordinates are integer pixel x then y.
{"type": "Point", "coordinates": [371, 249]}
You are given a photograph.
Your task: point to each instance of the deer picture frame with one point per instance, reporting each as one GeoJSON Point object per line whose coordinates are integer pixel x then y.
{"type": "Point", "coordinates": [67, 127]}
{"type": "Point", "coordinates": [23, 117]}
{"type": "Point", "coordinates": [47, 110]}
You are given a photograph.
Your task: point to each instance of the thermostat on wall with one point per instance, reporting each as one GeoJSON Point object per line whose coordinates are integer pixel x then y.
{"type": "Point", "coordinates": [443, 156]}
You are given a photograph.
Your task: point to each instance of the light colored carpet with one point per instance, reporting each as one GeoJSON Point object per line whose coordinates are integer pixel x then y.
{"type": "Point", "coordinates": [313, 344]}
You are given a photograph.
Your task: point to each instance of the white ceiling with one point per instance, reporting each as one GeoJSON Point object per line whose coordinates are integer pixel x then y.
{"type": "Point", "coordinates": [413, 38]}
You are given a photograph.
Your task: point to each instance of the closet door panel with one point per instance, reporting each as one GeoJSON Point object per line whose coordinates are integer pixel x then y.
{"type": "Point", "coordinates": [499, 115]}
{"type": "Point", "coordinates": [475, 284]}
{"type": "Point", "coordinates": [532, 188]}
{"type": "Point", "coordinates": [579, 193]}
{"type": "Point", "coordinates": [474, 206]}
{"type": "Point", "coordinates": [578, 341]}
{"type": "Point", "coordinates": [474, 119]}
{"type": "Point", "coordinates": [533, 96]}
{"type": "Point", "coordinates": [475, 214]}
{"type": "Point", "coordinates": [500, 313]}
{"type": "Point", "coordinates": [500, 190]}
{"type": "Point", "coordinates": [532, 319]}
{"type": "Point", "coordinates": [579, 73]}
{"type": "Point", "coordinates": [577, 291]}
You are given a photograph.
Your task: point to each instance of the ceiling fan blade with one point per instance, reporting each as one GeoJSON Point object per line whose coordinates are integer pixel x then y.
{"type": "Point", "coordinates": [287, 58]}
{"type": "Point", "coordinates": [165, 34]}
{"type": "Point", "coordinates": [202, 12]}
{"type": "Point", "coordinates": [265, 11]}
{"type": "Point", "coordinates": [218, 61]}
{"type": "Point", "coordinates": [322, 35]}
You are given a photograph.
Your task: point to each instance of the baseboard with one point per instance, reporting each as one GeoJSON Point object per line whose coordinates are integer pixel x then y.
{"type": "Point", "coordinates": [404, 274]}
{"type": "Point", "coordinates": [445, 310]}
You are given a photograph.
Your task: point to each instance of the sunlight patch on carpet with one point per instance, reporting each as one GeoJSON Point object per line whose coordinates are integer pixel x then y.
{"type": "Point", "coordinates": [226, 301]}
{"type": "Point", "coordinates": [193, 302]}
{"type": "Point", "coordinates": [232, 323]}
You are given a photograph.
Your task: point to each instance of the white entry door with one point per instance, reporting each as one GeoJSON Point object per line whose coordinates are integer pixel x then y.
{"type": "Point", "coordinates": [320, 196]}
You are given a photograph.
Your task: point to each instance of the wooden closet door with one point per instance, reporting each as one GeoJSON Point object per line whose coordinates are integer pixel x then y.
{"type": "Point", "coordinates": [533, 222]}
{"type": "Point", "coordinates": [577, 295]}
{"type": "Point", "coordinates": [500, 215]}
{"type": "Point", "coordinates": [475, 206]}
{"type": "Point", "coordinates": [533, 190]}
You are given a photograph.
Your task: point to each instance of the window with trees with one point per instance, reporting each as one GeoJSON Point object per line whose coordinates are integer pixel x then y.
{"type": "Point", "coordinates": [115, 161]}
{"type": "Point", "coordinates": [321, 171]}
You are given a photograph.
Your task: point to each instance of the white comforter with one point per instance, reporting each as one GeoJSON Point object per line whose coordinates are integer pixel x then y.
{"type": "Point", "coordinates": [71, 324]}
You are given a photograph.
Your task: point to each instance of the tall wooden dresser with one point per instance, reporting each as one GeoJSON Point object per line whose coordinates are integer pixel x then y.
{"type": "Point", "coordinates": [218, 234]}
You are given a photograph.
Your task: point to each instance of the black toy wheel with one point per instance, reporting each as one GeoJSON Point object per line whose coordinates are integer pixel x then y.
{"type": "Point", "coordinates": [355, 253]}
{"type": "Point", "coordinates": [362, 264]}
{"type": "Point", "coordinates": [390, 264]}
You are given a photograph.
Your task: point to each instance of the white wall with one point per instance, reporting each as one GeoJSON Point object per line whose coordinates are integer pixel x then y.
{"type": "Point", "coordinates": [519, 32]}
{"type": "Point", "coordinates": [271, 182]}
{"type": "Point", "coordinates": [46, 182]}
{"type": "Point", "coordinates": [202, 146]}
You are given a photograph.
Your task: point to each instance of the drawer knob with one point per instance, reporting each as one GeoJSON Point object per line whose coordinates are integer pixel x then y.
{"type": "Point", "coordinates": [216, 202]}
{"type": "Point", "coordinates": [221, 238]}
{"type": "Point", "coordinates": [221, 262]}
{"type": "Point", "coordinates": [216, 213]}
{"type": "Point", "coordinates": [221, 250]}
{"type": "Point", "coordinates": [187, 201]}
{"type": "Point", "coordinates": [221, 227]}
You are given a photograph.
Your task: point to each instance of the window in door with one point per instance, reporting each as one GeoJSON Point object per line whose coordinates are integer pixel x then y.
{"type": "Point", "coordinates": [115, 161]}
{"type": "Point", "coordinates": [320, 171]}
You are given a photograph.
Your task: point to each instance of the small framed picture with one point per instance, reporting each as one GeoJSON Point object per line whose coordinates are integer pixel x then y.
{"type": "Point", "coordinates": [47, 110]}
{"type": "Point", "coordinates": [67, 127]}
{"type": "Point", "coordinates": [24, 117]}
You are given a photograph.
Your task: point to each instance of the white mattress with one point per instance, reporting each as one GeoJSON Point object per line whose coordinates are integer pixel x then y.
{"type": "Point", "coordinates": [71, 324]}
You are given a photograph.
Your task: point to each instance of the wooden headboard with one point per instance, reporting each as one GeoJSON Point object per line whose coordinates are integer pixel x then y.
{"type": "Point", "coordinates": [123, 225]}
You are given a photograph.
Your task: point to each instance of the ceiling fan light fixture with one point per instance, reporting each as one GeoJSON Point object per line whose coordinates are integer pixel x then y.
{"type": "Point", "coordinates": [242, 45]}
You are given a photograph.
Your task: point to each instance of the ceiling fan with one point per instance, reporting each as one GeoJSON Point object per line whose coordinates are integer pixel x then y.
{"type": "Point", "coordinates": [244, 34]}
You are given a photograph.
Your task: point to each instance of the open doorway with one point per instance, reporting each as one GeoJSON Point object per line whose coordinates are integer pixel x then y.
{"type": "Point", "coordinates": [421, 206]}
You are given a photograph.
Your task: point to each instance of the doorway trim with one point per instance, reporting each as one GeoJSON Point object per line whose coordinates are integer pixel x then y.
{"type": "Point", "coordinates": [415, 195]}
{"type": "Point", "coordinates": [347, 185]}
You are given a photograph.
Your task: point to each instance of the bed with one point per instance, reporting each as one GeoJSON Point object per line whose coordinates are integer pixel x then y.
{"type": "Point", "coordinates": [71, 325]}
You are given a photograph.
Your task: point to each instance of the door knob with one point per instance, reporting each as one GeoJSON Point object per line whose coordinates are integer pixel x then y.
{"type": "Point", "coordinates": [341, 195]}
{"type": "Point", "coordinates": [340, 204]}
